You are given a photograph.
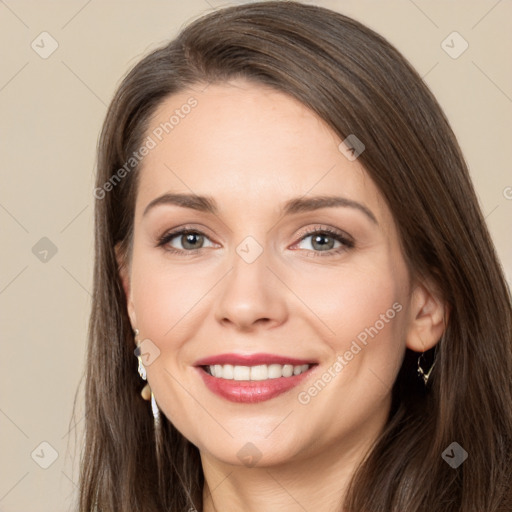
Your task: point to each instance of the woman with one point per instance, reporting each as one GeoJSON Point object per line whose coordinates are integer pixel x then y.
{"type": "Point", "coordinates": [288, 240]}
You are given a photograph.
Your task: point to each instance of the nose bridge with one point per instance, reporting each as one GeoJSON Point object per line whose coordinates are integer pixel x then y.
{"type": "Point", "coordinates": [250, 291]}
{"type": "Point", "coordinates": [249, 275]}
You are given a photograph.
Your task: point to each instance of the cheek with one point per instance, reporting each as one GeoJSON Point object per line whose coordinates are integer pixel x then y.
{"type": "Point", "coordinates": [167, 302]}
{"type": "Point", "coordinates": [165, 296]}
{"type": "Point", "coordinates": [364, 311]}
{"type": "Point", "coordinates": [352, 298]}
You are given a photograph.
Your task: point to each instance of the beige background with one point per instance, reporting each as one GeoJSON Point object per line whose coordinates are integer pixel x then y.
{"type": "Point", "coordinates": [52, 110]}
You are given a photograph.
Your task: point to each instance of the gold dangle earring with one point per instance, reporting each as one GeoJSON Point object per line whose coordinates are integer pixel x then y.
{"type": "Point", "coordinates": [146, 392]}
{"type": "Point", "coordinates": [421, 372]}
{"type": "Point", "coordinates": [424, 375]}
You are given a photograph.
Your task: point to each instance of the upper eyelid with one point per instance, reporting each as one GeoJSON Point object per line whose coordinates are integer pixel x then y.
{"type": "Point", "coordinates": [325, 229]}
{"type": "Point", "coordinates": [307, 231]}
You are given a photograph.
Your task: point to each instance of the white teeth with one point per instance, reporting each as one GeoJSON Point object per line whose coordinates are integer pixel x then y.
{"type": "Point", "coordinates": [240, 373]}
{"type": "Point", "coordinates": [287, 370]}
{"type": "Point", "coordinates": [259, 372]}
{"type": "Point", "coordinates": [227, 371]}
{"type": "Point", "coordinates": [275, 371]}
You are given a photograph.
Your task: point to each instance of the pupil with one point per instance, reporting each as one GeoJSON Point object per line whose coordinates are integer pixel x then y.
{"type": "Point", "coordinates": [318, 238]}
{"type": "Point", "coordinates": [190, 240]}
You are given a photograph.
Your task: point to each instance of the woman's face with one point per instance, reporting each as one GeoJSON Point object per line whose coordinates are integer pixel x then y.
{"type": "Point", "coordinates": [267, 282]}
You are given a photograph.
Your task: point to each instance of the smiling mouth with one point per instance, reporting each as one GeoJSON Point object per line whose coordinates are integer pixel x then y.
{"type": "Point", "coordinates": [253, 384]}
{"type": "Point", "coordinates": [252, 378]}
{"type": "Point", "coordinates": [255, 373]}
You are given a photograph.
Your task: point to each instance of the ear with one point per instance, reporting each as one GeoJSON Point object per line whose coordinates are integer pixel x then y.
{"type": "Point", "coordinates": [428, 317]}
{"type": "Point", "coordinates": [123, 269]}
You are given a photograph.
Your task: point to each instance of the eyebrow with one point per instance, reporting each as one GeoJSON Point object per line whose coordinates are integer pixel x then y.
{"type": "Point", "coordinates": [292, 206]}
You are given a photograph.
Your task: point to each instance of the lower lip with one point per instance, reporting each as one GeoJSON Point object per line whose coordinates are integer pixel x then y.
{"type": "Point", "coordinates": [244, 391]}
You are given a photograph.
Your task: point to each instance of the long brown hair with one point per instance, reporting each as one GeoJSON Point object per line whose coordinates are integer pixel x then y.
{"type": "Point", "coordinates": [359, 84]}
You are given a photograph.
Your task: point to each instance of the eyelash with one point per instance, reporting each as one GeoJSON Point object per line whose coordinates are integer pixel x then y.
{"type": "Point", "coordinates": [346, 242]}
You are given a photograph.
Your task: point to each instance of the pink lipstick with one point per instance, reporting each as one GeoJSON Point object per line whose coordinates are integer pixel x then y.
{"type": "Point", "coordinates": [252, 378]}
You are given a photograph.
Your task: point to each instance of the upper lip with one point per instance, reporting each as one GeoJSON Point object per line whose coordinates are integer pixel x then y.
{"type": "Point", "coordinates": [250, 360]}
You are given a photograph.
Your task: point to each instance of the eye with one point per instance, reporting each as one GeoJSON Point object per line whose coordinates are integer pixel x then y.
{"type": "Point", "coordinates": [188, 240]}
{"type": "Point", "coordinates": [324, 240]}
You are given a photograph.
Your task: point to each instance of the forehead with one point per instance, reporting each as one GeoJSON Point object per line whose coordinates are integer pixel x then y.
{"type": "Point", "coordinates": [247, 145]}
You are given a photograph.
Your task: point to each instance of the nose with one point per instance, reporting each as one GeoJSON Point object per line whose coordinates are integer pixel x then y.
{"type": "Point", "coordinates": [251, 296]}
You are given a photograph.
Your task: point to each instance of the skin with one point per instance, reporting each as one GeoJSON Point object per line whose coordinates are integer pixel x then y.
{"type": "Point", "coordinates": [252, 148]}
